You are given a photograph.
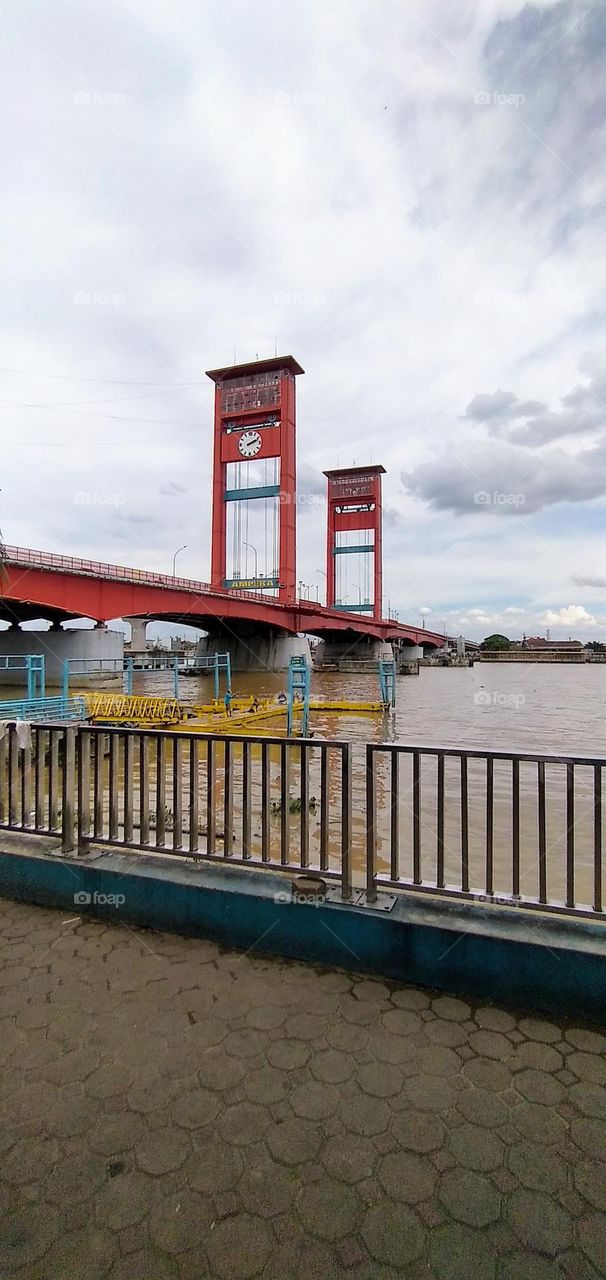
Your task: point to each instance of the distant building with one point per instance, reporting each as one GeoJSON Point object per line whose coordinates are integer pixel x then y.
{"type": "Point", "coordinates": [536, 643]}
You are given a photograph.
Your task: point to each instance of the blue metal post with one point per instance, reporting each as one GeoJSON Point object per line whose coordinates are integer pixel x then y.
{"type": "Point", "coordinates": [129, 675]}
{"type": "Point", "coordinates": [387, 682]}
{"type": "Point", "coordinates": [65, 678]}
{"type": "Point", "coordinates": [216, 676]}
{"type": "Point", "coordinates": [176, 676]}
{"type": "Point", "coordinates": [299, 681]}
{"type": "Point", "coordinates": [34, 666]}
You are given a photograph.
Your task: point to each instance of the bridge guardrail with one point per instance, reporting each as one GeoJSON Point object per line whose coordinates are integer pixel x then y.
{"type": "Point", "coordinates": [439, 820]}
{"type": "Point", "coordinates": [26, 557]}
{"type": "Point", "coordinates": [267, 802]}
{"type": "Point", "coordinates": [29, 558]}
{"type": "Point", "coordinates": [520, 829]}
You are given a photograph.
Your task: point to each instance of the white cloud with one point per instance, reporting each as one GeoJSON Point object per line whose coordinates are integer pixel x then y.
{"type": "Point", "coordinates": [571, 615]}
{"type": "Point", "coordinates": [448, 251]}
{"type": "Point", "coordinates": [589, 580]}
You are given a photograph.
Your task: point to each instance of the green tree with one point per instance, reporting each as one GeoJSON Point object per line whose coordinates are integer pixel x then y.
{"type": "Point", "coordinates": [496, 641]}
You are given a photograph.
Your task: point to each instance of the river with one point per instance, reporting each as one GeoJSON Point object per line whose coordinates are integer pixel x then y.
{"type": "Point", "coordinates": [551, 708]}
{"type": "Point", "coordinates": [548, 708]}
{"type": "Point", "coordinates": [535, 706]}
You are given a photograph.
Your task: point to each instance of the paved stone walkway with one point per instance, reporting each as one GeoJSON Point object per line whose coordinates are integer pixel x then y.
{"type": "Point", "coordinates": [174, 1110]}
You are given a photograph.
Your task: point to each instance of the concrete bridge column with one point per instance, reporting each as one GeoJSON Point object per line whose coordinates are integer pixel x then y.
{"type": "Point", "coordinates": [410, 653]}
{"type": "Point", "coordinates": [137, 633]}
{"type": "Point", "coordinates": [257, 652]}
{"type": "Point", "coordinates": [56, 645]}
{"type": "Point", "coordinates": [407, 658]}
{"type": "Point", "coordinates": [352, 655]}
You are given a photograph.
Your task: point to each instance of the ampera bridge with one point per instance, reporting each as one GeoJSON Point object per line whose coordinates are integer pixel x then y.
{"type": "Point", "coordinates": [259, 617]}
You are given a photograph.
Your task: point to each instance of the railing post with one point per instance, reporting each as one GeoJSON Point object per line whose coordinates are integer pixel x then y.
{"type": "Point", "coordinates": [83, 788]}
{"type": "Point", "coordinates": [4, 788]}
{"type": "Point", "coordinates": [68, 816]}
{"type": "Point", "coordinates": [371, 888]}
{"type": "Point", "coordinates": [265, 802]}
{"type": "Point", "coordinates": [284, 802]}
{"type": "Point", "coordinates": [13, 777]}
{"type": "Point", "coordinates": [346, 821]}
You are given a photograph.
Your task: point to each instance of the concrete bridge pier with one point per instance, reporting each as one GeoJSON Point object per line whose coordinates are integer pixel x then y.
{"type": "Point", "coordinates": [407, 657]}
{"type": "Point", "coordinates": [257, 652]}
{"type": "Point", "coordinates": [355, 654]}
{"type": "Point", "coordinates": [137, 634]}
{"type": "Point", "coordinates": [56, 645]}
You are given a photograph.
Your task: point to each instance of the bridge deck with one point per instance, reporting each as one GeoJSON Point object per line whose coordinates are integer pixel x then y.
{"type": "Point", "coordinates": [60, 586]}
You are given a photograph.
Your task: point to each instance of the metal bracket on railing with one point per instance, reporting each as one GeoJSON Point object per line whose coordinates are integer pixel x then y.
{"type": "Point", "coordinates": [68, 814]}
{"type": "Point", "coordinates": [382, 901]}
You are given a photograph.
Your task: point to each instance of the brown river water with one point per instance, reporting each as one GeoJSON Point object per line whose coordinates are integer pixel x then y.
{"type": "Point", "coordinates": [531, 708]}
{"type": "Point", "coordinates": [551, 708]}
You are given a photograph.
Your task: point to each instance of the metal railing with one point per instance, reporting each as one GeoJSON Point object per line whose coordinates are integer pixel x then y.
{"type": "Point", "coordinates": [26, 557]}
{"type": "Point", "coordinates": [266, 802]}
{"type": "Point", "coordinates": [37, 781]}
{"type": "Point", "coordinates": [517, 828]}
{"type": "Point", "coordinates": [34, 665]}
{"type": "Point", "coordinates": [43, 710]}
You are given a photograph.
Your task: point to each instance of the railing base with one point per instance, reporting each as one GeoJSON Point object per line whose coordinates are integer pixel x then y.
{"type": "Point", "coordinates": [554, 964]}
{"type": "Point", "coordinates": [381, 902]}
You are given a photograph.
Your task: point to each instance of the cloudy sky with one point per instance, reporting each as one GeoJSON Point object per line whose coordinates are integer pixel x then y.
{"type": "Point", "coordinates": [407, 197]}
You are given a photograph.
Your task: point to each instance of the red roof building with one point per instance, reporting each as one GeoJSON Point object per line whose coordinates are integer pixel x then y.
{"type": "Point", "coordinates": [562, 646]}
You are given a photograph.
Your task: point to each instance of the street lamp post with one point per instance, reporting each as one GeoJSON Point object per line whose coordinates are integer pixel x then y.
{"type": "Point", "coordinates": [177, 552]}
{"type": "Point", "coordinates": [253, 548]}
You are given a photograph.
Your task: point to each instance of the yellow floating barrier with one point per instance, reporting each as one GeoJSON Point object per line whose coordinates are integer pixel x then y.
{"type": "Point", "coordinates": [343, 704]}
{"type": "Point", "coordinates": [132, 709]}
{"type": "Point", "coordinates": [210, 717]}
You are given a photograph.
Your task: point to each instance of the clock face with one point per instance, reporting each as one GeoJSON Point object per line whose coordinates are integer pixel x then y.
{"type": "Point", "coordinates": [249, 444]}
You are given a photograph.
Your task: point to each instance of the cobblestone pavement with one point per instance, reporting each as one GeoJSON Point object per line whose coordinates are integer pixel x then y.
{"type": "Point", "coordinates": [171, 1109]}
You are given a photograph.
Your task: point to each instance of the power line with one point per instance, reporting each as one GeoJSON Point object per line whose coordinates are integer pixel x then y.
{"type": "Point", "coordinates": [115, 417]}
{"type": "Point", "coordinates": [65, 404]}
{"type": "Point", "coordinates": [115, 382]}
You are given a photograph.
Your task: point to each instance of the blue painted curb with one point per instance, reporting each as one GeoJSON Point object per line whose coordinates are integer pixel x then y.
{"type": "Point", "coordinates": [551, 964]}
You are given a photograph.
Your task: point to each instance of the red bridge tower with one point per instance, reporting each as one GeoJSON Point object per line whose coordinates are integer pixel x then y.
{"type": "Point", "coordinates": [354, 551]}
{"type": "Point", "coordinates": [254, 477]}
